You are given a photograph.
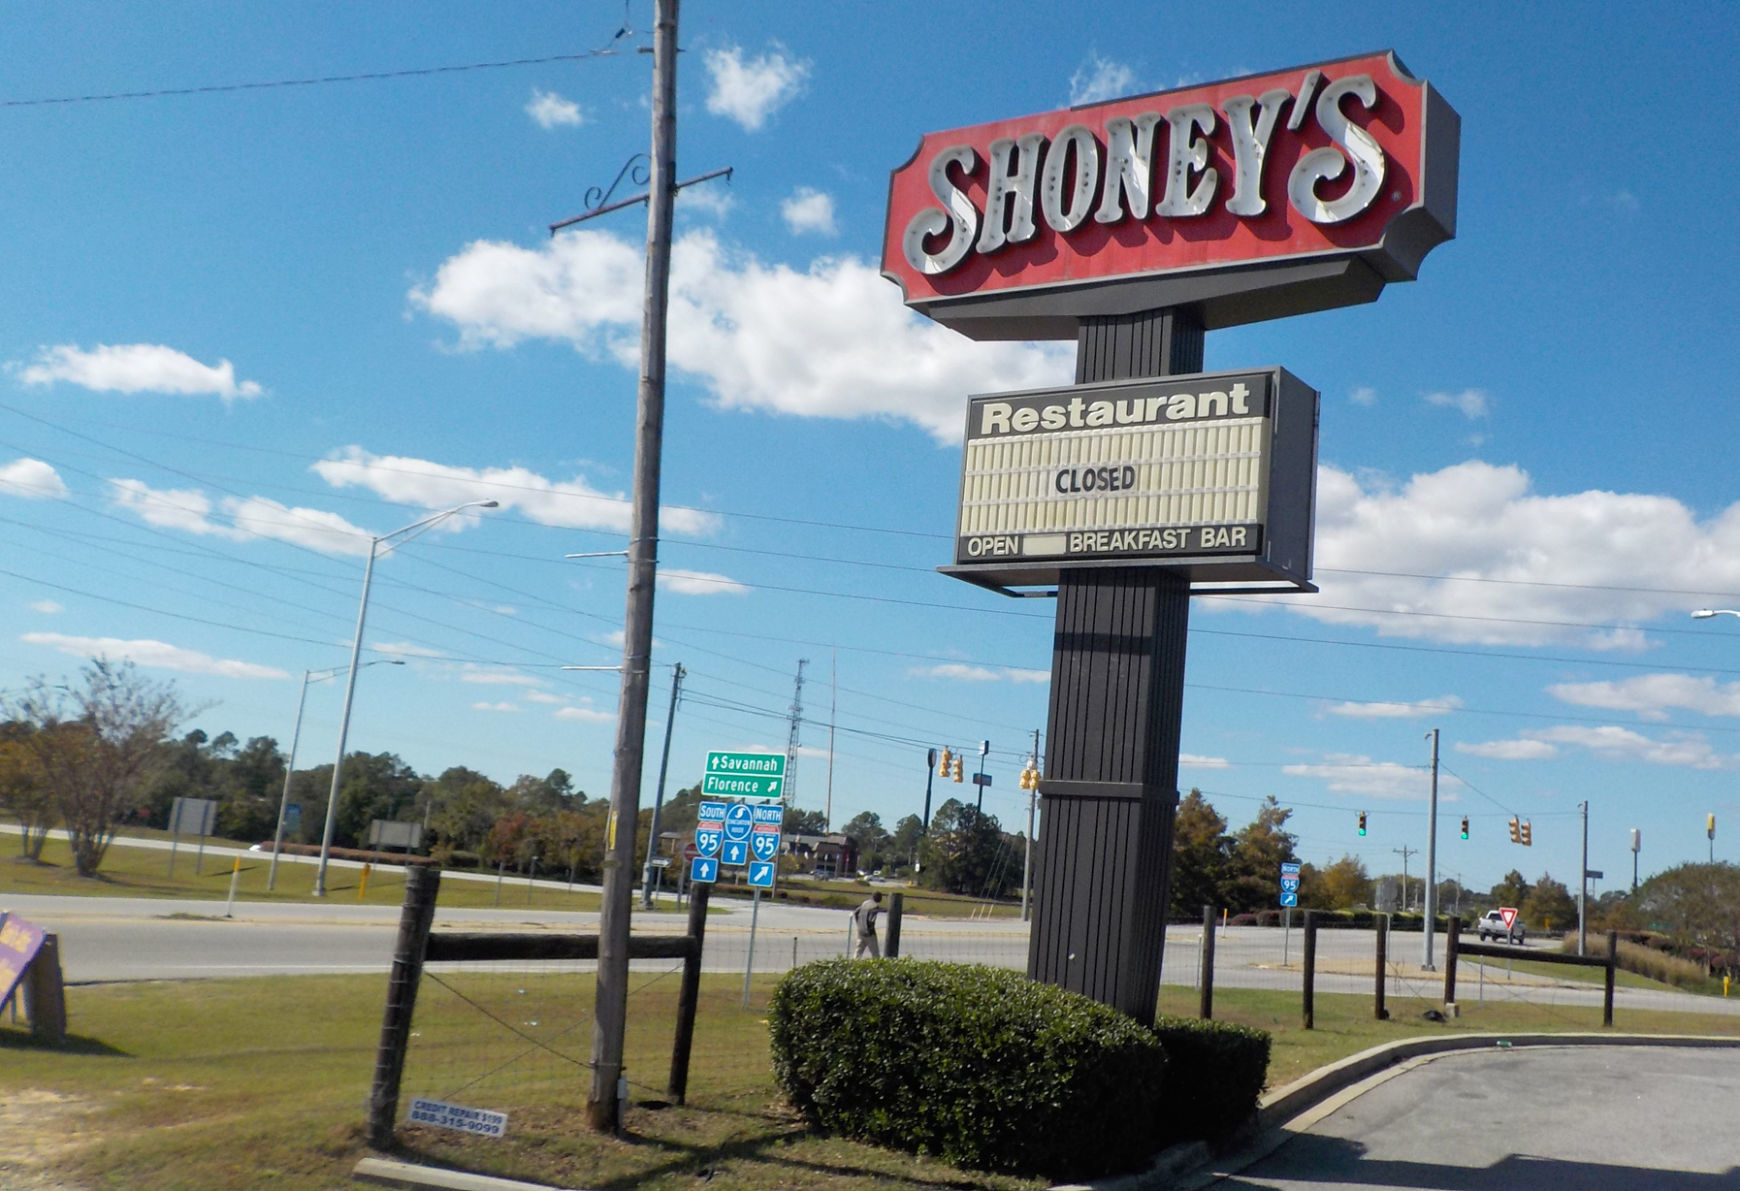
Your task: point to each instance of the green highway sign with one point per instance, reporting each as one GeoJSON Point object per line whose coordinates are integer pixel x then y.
{"type": "Point", "coordinates": [744, 775]}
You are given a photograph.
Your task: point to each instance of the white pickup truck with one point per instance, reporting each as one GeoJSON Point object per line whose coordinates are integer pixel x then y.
{"type": "Point", "coordinates": [1491, 926]}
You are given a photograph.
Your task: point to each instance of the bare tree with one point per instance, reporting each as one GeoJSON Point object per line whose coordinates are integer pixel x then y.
{"type": "Point", "coordinates": [94, 743]}
{"type": "Point", "coordinates": [24, 794]}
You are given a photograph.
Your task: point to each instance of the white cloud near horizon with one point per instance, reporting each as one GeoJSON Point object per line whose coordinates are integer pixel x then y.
{"type": "Point", "coordinates": [681, 582]}
{"type": "Point", "coordinates": [808, 211]}
{"type": "Point", "coordinates": [484, 677]}
{"type": "Point", "coordinates": [962, 672]}
{"type": "Point", "coordinates": [1395, 711]}
{"type": "Point", "coordinates": [134, 368]}
{"type": "Point", "coordinates": [569, 504]}
{"type": "Point", "coordinates": [747, 91]}
{"type": "Point", "coordinates": [1472, 554]}
{"type": "Point", "coordinates": [550, 110]}
{"type": "Point", "coordinates": [1352, 774]}
{"type": "Point", "coordinates": [1195, 761]}
{"type": "Point", "coordinates": [151, 654]}
{"type": "Point", "coordinates": [832, 341]}
{"type": "Point", "coordinates": [1690, 750]}
{"type": "Point", "coordinates": [1473, 403]}
{"type": "Point", "coordinates": [1099, 79]}
{"type": "Point", "coordinates": [502, 706]}
{"type": "Point", "coordinates": [586, 715]}
{"type": "Point", "coordinates": [238, 518]}
{"type": "Point", "coordinates": [1652, 696]}
{"type": "Point", "coordinates": [47, 607]}
{"type": "Point", "coordinates": [31, 479]}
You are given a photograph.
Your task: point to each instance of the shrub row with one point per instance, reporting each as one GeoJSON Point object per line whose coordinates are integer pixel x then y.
{"type": "Point", "coordinates": [985, 1068]}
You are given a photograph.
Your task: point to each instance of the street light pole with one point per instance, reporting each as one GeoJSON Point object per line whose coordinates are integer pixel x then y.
{"type": "Point", "coordinates": [1431, 898]}
{"type": "Point", "coordinates": [404, 534]}
{"type": "Point", "coordinates": [652, 843]}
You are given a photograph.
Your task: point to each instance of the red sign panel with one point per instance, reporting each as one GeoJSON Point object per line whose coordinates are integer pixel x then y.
{"type": "Point", "coordinates": [1508, 914]}
{"type": "Point", "coordinates": [1250, 199]}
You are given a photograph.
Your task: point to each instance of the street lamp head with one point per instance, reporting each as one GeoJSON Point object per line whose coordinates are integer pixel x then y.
{"type": "Point", "coordinates": [489, 504]}
{"type": "Point", "coordinates": [1703, 614]}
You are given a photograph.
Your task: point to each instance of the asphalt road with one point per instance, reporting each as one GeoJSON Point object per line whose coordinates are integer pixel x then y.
{"type": "Point", "coordinates": [1524, 1119]}
{"type": "Point", "coordinates": [105, 939]}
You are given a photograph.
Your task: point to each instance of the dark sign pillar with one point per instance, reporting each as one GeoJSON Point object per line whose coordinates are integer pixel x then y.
{"type": "Point", "coordinates": [1110, 789]}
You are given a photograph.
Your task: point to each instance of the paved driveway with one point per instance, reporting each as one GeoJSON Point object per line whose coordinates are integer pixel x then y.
{"type": "Point", "coordinates": [1597, 1118]}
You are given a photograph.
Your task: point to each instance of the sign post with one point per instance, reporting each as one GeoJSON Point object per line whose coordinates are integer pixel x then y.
{"type": "Point", "coordinates": [1134, 226]}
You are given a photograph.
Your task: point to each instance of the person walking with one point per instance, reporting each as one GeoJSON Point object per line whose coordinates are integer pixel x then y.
{"type": "Point", "coordinates": [864, 919]}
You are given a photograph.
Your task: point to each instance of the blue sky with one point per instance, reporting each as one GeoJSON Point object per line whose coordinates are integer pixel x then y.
{"type": "Point", "coordinates": [241, 330]}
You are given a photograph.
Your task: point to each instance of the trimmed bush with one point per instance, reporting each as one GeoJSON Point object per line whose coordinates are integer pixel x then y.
{"type": "Point", "coordinates": [1215, 1071]}
{"type": "Point", "coordinates": [979, 1066]}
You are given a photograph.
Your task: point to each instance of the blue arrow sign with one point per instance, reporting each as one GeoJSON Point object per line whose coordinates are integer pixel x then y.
{"type": "Point", "coordinates": [702, 868]}
{"type": "Point", "coordinates": [707, 842]}
{"type": "Point", "coordinates": [739, 821]}
{"type": "Point", "coordinates": [736, 852]}
{"type": "Point", "coordinates": [765, 845]}
{"type": "Point", "coordinates": [761, 875]}
{"type": "Point", "coordinates": [1289, 899]}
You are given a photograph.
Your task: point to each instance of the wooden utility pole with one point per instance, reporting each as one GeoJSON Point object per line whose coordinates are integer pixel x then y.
{"type": "Point", "coordinates": [603, 1108]}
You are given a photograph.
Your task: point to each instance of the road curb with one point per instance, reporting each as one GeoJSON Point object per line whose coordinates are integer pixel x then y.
{"type": "Point", "coordinates": [385, 1172]}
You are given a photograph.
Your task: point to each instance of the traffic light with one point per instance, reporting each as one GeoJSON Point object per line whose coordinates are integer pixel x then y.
{"type": "Point", "coordinates": [958, 771]}
{"type": "Point", "coordinates": [1030, 779]}
{"type": "Point", "coordinates": [942, 769]}
{"type": "Point", "coordinates": [1515, 832]}
{"type": "Point", "coordinates": [1362, 822]}
{"type": "Point", "coordinates": [1710, 827]}
{"type": "Point", "coordinates": [1464, 826]}
{"type": "Point", "coordinates": [1527, 837]}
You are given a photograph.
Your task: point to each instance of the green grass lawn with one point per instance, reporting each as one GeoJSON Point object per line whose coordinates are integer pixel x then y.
{"type": "Point", "coordinates": [145, 872]}
{"type": "Point", "coordinates": [262, 1082]}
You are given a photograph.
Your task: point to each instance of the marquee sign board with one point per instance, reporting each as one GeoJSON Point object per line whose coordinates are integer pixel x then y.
{"type": "Point", "coordinates": [1250, 199]}
{"type": "Point", "coordinates": [1211, 474]}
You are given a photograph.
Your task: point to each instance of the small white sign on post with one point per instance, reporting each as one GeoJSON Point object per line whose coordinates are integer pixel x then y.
{"type": "Point", "coordinates": [480, 1121]}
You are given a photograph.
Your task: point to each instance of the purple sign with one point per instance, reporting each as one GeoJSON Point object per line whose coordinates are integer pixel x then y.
{"type": "Point", "coordinates": [19, 943]}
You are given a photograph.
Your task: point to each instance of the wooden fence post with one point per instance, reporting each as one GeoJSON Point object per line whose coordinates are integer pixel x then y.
{"type": "Point", "coordinates": [1206, 1009]}
{"type": "Point", "coordinates": [1612, 964]}
{"type": "Point", "coordinates": [1382, 922]}
{"type": "Point", "coordinates": [1452, 944]}
{"type": "Point", "coordinates": [422, 884]}
{"type": "Point", "coordinates": [896, 906]}
{"type": "Point", "coordinates": [689, 995]}
{"type": "Point", "coordinates": [1310, 973]}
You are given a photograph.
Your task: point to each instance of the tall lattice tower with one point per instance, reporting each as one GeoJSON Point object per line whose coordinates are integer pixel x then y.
{"type": "Point", "coordinates": [791, 744]}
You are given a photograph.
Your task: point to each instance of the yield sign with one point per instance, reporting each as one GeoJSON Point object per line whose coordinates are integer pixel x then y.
{"type": "Point", "coordinates": [1508, 913]}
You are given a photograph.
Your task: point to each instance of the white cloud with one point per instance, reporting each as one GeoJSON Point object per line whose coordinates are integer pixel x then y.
{"type": "Point", "coordinates": [550, 110]}
{"type": "Point", "coordinates": [1194, 761]}
{"type": "Point", "coordinates": [1099, 79]}
{"type": "Point", "coordinates": [571, 504]}
{"type": "Point", "coordinates": [484, 677]}
{"type": "Point", "coordinates": [1351, 774]}
{"type": "Point", "coordinates": [1609, 742]}
{"type": "Point", "coordinates": [585, 715]}
{"type": "Point", "coordinates": [245, 519]}
{"type": "Point", "coordinates": [134, 368]}
{"type": "Point", "coordinates": [809, 211]}
{"type": "Point", "coordinates": [681, 582]}
{"type": "Point", "coordinates": [960, 672]}
{"type": "Point", "coordinates": [543, 697]}
{"type": "Point", "coordinates": [152, 654]}
{"type": "Point", "coordinates": [1395, 711]}
{"type": "Point", "coordinates": [712, 199]}
{"type": "Point", "coordinates": [404, 649]}
{"type": "Point", "coordinates": [32, 479]}
{"type": "Point", "coordinates": [1688, 749]}
{"type": "Point", "coordinates": [47, 607]}
{"type": "Point", "coordinates": [1473, 403]}
{"type": "Point", "coordinates": [1509, 750]}
{"type": "Point", "coordinates": [1519, 567]}
{"type": "Point", "coordinates": [832, 341]}
{"type": "Point", "coordinates": [1364, 395]}
{"type": "Point", "coordinates": [1652, 696]}
{"type": "Point", "coordinates": [749, 91]}
{"type": "Point", "coordinates": [503, 706]}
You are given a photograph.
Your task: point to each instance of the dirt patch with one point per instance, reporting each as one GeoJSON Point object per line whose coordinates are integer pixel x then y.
{"type": "Point", "coordinates": [37, 1131]}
